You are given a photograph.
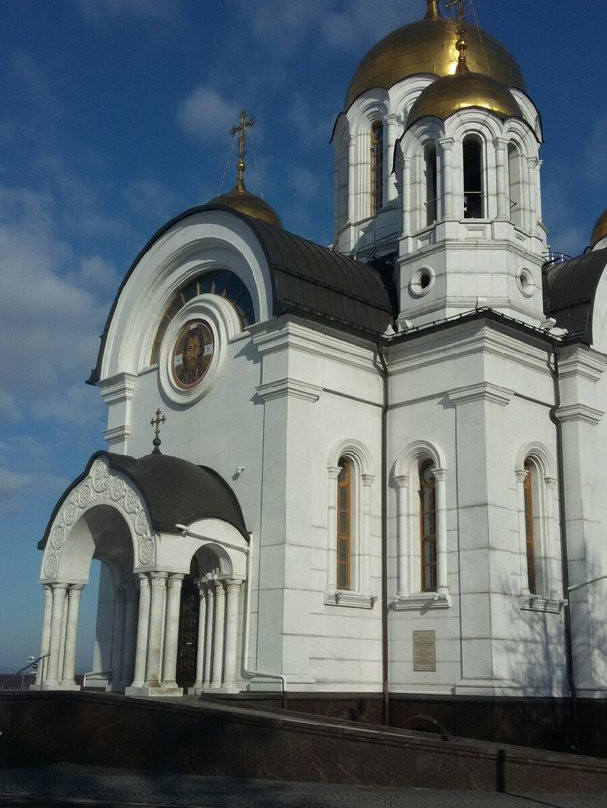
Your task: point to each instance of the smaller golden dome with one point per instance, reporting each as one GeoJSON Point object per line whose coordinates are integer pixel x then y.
{"type": "Point", "coordinates": [241, 200]}
{"type": "Point", "coordinates": [600, 229]}
{"type": "Point", "coordinates": [450, 94]}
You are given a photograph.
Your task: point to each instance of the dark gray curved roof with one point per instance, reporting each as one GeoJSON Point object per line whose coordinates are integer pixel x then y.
{"type": "Point", "coordinates": [569, 293]}
{"type": "Point", "coordinates": [175, 491]}
{"type": "Point", "coordinates": [307, 279]}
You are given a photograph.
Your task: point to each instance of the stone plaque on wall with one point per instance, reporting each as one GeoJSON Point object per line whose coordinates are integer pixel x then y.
{"type": "Point", "coordinates": [424, 650]}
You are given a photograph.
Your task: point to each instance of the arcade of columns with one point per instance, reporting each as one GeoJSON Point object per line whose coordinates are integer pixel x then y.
{"type": "Point", "coordinates": [146, 634]}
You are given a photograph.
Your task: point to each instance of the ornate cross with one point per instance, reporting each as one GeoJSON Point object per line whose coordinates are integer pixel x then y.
{"type": "Point", "coordinates": [241, 131]}
{"type": "Point", "coordinates": [461, 44]}
{"type": "Point", "coordinates": [155, 422]}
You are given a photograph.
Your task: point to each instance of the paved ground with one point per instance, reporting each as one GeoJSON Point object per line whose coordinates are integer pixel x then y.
{"type": "Point", "coordinates": [66, 784]}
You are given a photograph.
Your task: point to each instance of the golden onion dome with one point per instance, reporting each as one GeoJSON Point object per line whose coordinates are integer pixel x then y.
{"type": "Point", "coordinates": [451, 94]}
{"type": "Point", "coordinates": [428, 46]}
{"type": "Point", "coordinates": [600, 229]}
{"type": "Point", "coordinates": [241, 200]}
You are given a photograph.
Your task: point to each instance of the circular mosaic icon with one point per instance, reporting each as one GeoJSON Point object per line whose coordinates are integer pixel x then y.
{"type": "Point", "coordinates": [192, 354]}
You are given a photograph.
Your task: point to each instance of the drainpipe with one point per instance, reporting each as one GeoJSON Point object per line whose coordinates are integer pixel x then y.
{"type": "Point", "coordinates": [573, 706]}
{"type": "Point", "coordinates": [185, 531]}
{"type": "Point", "coordinates": [384, 541]}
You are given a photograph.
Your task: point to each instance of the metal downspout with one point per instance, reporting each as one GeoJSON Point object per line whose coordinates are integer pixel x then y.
{"type": "Point", "coordinates": [384, 541]}
{"type": "Point", "coordinates": [573, 706]}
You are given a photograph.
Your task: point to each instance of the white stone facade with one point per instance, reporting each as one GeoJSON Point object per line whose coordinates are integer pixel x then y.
{"type": "Point", "coordinates": [474, 379]}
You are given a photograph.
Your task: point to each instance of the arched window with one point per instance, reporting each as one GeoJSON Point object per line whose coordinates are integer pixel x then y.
{"type": "Point", "coordinates": [431, 183]}
{"type": "Point", "coordinates": [473, 178]}
{"type": "Point", "coordinates": [530, 488]}
{"type": "Point", "coordinates": [377, 167]}
{"type": "Point", "coordinates": [427, 515]}
{"type": "Point", "coordinates": [516, 185]}
{"type": "Point", "coordinates": [344, 522]}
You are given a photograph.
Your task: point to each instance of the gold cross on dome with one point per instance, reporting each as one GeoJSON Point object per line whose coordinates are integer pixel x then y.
{"type": "Point", "coordinates": [155, 422]}
{"type": "Point", "coordinates": [241, 131]}
{"type": "Point", "coordinates": [461, 44]}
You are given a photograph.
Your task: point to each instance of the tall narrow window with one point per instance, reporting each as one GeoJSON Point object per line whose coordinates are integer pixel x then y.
{"type": "Point", "coordinates": [530, 521]}
{"type": "Point", "coordinates": [427, 514]}
{"type": "Point", "coordinates": [473, 178]}
{"type": "Point", "coordinates": [377, 167]}
{"type": "Point", "coordinates": [431, 184]}
{"type": "Point", "coordinates": [516, 187]}
{"type": "Point", "coordinates": [344, 522]}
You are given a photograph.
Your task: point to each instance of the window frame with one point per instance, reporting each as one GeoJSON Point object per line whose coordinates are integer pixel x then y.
{"type": "Point", "coordinates": [476, 193]}
{"type": "Point", "coordinates": [376, 168]}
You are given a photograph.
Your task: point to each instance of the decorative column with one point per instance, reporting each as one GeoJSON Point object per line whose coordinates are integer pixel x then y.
{"type": "Point", "coordinates": [218, 634]}
{"type": "Point", "coordinates": [62, 641]}
{"type": "Point", "coordinates": [333, 474]}
{"type": "Point", "coordinates": [143, 620]}
{"type": "Point", "coordinates": [351, 141]}
{"type": "Point", "coordinates": [208, 644]}
{"type": "Point", "coordinates": [130, 633]}
{"type": "Point", "coordinates": [202, 610]}
{"type": "Point", "coordinates": [391, 123]}
{"type": "Point", "coordinates": [118, 636]}
{"type": "Point", "coordinates": [59, 593]}
{"type": "Point", "coordinates": [46, 634]}
{"type": "Point", "coordinates": [446, 144]}
{"type": "Point", "coordinates": [530, 221]}
{"type": "Point", "coordinates": [521, 474]}
{"type": "Point", "coordinates": [71, 633]}
{"type": "Point", "coordinates": [231, 646]}
{"type": "Point", "coordinates": [406, 196]}
{"type": "Point", "coordinates": [553, 567]}
{"type": "Point", "coordinates": [404, 539]}
{"type": "Point", "coordinates": [502, 182]}
{"type": "Point", "coordinates": [364, 582]}
{"type": "Point", "coordinates": [171, 631]}
{"type": "Point", "coordinates": [152, 672]}
{"type": "Point", "coordinates": [440, 475]}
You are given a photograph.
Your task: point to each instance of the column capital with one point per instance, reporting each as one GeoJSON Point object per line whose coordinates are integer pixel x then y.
{"type": "Point", "coordinates": [75, 590]}
{"type": "Point", "coordinates": [175, 579]}
{"type": "Point", "coordinates": [446, 143]}
{"type": "Point", "coordinates": [219, 587]}
{"type": "Point", "coordinates": [401, 480]}
{"type": "Point", "coordinates": [60, 589]}
{"type": "Point", "coordinates": [440, 475]}
{"type": "Point", "coordinates": [333, 472]}
{"type": "Point", "coordinates": [550, 482]}
{"type": "Point", "coordinates": [144, 580]}
{"type": "Point", "coordinates": [367, 479]}
{"type": "Point", "coordinates": [521, 475]}
{"type": "Point", "coordinates": [158, 579]}
{"type": "Point", "coordinates": [234, 584]}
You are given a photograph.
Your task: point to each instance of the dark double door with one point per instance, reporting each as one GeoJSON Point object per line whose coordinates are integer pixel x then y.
{"type": "Point", "coordinates": [188, 633]}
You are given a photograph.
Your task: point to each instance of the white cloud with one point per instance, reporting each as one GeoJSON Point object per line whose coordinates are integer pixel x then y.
{"type": "Point", "coordinates": [311, 128]}
{"type": "Point", "coordinates": [97, 272]}
{"type": "Point", "coordinates": [99, 11]}
{"type": "Point", "coordinates": [204, 113]}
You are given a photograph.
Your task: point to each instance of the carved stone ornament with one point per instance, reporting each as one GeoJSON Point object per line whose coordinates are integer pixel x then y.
{"type": "Point", "coordinates": [102, 485]}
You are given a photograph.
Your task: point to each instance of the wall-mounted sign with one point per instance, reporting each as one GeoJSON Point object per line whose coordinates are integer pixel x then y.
{"type": "Point", "coordinates": [424, 650]}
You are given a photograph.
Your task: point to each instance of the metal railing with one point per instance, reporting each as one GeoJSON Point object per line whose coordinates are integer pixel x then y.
{"type": "Point", "coordinates": [32, 666]}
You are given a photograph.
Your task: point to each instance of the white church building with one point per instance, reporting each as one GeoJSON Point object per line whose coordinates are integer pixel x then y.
{"type": "Point", "coordinates": [378, 467]}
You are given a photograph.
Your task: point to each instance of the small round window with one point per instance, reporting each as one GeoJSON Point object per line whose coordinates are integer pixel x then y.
{"type": "Point", "coordinates": [192, 354]}
{"type": "Point", "coordinates": [422, 281]}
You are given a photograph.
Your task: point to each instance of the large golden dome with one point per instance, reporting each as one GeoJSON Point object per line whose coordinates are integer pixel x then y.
{"type": "Point", "coordinates": [428, 46]}
{"type": "Point", "coordinates": [600, 229]}
{"type": "Point", "coordinates": [244, 202]}
{"type": "Point", "coordinates": [449, 94]}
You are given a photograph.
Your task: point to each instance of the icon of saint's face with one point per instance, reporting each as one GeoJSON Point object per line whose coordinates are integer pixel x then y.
{"type": "Point", "coordinates": [193, 353]}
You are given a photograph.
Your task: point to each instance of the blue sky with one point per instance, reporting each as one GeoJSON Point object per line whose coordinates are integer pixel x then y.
{"type": "Point", "coordinates": [115, 118]}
